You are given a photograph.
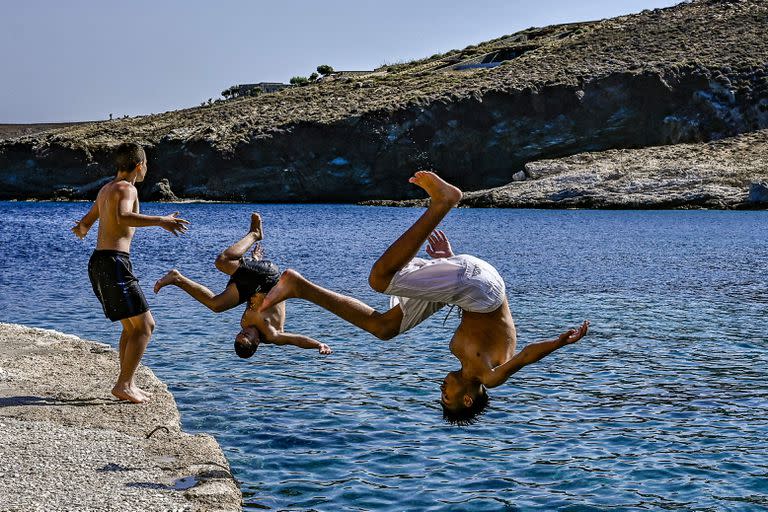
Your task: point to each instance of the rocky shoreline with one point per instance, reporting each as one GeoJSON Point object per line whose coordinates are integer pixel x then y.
{"type": "Point", "coordinates": [693, 73]}
{"type": "Point", "coordinates": [727, 174]}
{"type": "Point", "coordinates": [67, 444]}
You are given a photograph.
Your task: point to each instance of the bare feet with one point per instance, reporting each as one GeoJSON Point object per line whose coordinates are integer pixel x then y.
{"type": "Point", "coordinates": [285, 288]}
{"type": "Point", "coordinates": [256, 226]}
{"type": "Point", "coordinates": [170, 278]}
{"type": "Point", "coordinates": [440, 191]}
{"type": "Point", "coordinates": [325, 349]}
{"type": "Point", "coordinates": [146, 394]}
{"type": "Point", "coordinates": [131, 393]}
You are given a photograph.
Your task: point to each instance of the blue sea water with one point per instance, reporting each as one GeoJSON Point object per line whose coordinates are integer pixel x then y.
{"type": "Point", "coordinates": [663, 406]}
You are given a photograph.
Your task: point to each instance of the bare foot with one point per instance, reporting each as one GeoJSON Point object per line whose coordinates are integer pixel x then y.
{"type": "Point", "coordinates": [169, 278]}
{"type": "Point", "coordinates": [146, 394]}
{"type": "Point", "coordinates": [440, 191]}
{"type": "Point", "coordinates": [285, 288]}
{"type": "Point", "coordinates": [325, 349]}
{"type": "Point", "coordinates": [130, 393]}
{"type": "Point", "coordinates": [256, 225]}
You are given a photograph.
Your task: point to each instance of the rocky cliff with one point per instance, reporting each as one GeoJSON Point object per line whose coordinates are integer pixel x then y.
{"type": "Point", "coordinates": [730, 173]}
{"type": "Point", "coordinates": [691, 73]}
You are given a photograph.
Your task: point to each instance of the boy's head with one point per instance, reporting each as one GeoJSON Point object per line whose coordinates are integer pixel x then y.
{"type": "Point", "coordinates": [463, 400]}
{"type": "Point", "coordinates": [247, 341]}
{"type": "Point", "coordinates": [130, 157]}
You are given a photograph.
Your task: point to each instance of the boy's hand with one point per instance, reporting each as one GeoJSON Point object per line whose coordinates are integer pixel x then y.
{"type": "Point", "coordinates": [574, 335]}
{"type": "Point", "coordinates": [439, 246]}
{"type": "Point", "coordinates": [325, 349]}
{"type": "Point", "coordinates": [79, 230]}
{"type": "Point", "coordinates": [173, 224]}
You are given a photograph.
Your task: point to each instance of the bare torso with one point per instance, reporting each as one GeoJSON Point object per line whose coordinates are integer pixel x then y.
{"type": "Point", "coordinates": [113, 235]}
{"type": "Point", "coordinates": [271, 317]}
{"type": "Point", "coordinates": [484, 341]}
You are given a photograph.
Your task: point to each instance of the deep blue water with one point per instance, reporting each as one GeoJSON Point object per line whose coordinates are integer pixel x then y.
{"type": "Point", "coordinates": [663, 406]}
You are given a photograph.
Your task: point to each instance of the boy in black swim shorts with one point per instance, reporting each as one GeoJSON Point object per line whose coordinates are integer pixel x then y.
{"type": "Point", "coordinates": [110, 270]}
{"type": "Point", "coordinates": [251, 279]}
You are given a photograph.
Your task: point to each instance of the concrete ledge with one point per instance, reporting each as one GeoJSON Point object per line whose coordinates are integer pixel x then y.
{"type": "Point", "coordinates": [67, 444]}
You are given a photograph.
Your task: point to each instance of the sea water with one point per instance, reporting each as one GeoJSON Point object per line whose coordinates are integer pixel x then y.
{"type": "Point", "coordinates": [664, 405]}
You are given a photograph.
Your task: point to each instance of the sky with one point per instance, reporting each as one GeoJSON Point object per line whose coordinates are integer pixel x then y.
{"type": "Point", "coordinates": [80, 60]}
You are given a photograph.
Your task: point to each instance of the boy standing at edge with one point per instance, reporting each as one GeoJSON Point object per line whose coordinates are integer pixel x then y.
{"type": "Point", "coordinates": [110, 270]}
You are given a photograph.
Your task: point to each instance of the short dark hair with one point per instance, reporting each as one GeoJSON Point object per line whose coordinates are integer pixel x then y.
{"type": "Point", "coordinates": [464, 416]}
{"type": "Point", "coordinates": [128, 155]}
{"type": "Point", "coordinates": [245, 349]}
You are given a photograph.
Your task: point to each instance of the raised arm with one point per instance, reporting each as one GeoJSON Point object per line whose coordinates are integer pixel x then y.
{"type": "Point", "coordinates": [127, 196]}
{"type": "Point", "coordinates": [439, 246]}
{"type": "Point", "coordinates": [532, 353]}
{"type": "Point", "coordinates": [81, 227]}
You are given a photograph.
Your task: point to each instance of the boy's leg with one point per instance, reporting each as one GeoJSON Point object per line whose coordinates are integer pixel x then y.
{"type": "Point", "coordinates": [229, 259]}
{"type": "Point", "coordinates": [138, 330]}
{"type": "Point", "coordinates": [227, 299]}
{"type": "Point", "coordinates": [443, 197]}
{"type": "Point", "coordinates": [294, 285]}
{"type": "Point", "coordinates": [123, 342]}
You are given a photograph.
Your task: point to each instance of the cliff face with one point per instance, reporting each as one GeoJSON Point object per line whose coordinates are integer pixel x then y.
{"type": "Point", "coordinates": [730, 173]}
{"type": "Point", "coordinates": [694, 72]}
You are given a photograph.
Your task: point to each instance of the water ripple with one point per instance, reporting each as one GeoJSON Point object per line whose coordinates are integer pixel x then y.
{"type": "Point", "coordinates": [664, 406]}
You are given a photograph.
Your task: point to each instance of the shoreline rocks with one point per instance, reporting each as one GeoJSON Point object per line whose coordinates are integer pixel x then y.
{"type": "Point", "coordinates": [727, 174]}
{"type": "Point", "coordinates": [692, 73]}
{"type": "Point", "coordinates": [67, 444]}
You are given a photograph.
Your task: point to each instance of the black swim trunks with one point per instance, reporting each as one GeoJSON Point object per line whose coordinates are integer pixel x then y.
{"type": "Point", "coordinates": [115, 285]}
{"type": "Point", "coordinates": [254, 276]}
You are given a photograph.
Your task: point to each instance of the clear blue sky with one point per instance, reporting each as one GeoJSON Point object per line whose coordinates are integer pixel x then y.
{"type": "Point", "coordinates": [71, 60]}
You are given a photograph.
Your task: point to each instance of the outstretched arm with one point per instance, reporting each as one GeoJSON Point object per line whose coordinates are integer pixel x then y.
{"type": "Point", "coordinates": [253, 317]}
{"type": "Point", "coordinates": [297, 340]}
{"type": "Point", "coordinates": [532, 353]}
{"type": "Point", "coordinates": [80, 229]}
{"type": "Point", "coordinates": [125, 215]}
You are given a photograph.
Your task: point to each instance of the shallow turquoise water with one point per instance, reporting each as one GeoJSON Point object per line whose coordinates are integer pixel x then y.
{"type": "Point", "coordinates": [663, 406]}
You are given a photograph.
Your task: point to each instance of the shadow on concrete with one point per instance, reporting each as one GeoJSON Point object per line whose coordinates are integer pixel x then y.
{"type": "Point", "coordinates": [16, 401]}
{"type": "Point", "coordinates": [112, 467]}
{"type": "Point", "coordinates": [187, 482]}
{"type": "Point", "coordinates": [181, 484]}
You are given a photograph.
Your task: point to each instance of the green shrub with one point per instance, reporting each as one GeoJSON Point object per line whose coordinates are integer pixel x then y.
{"type": "Point", "coordinates": [299, 80]}
{"type": "Point", "coordinates": [324, 69]}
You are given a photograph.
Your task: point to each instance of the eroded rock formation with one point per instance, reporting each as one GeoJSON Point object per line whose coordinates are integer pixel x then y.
{"type": "Point", "coordinates": [695, 72]}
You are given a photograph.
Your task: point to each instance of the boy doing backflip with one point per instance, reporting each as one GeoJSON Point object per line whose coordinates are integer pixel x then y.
{"type": "Point", "coordinates": [110, 270]}
{"type": "Point", "coordinates": [252, 277]}
{"type": "Point", "coordinates": [485, 340]}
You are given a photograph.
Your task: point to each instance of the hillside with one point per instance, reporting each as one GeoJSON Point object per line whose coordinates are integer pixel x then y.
{"type": "Point", "coordinates": [691, 73]}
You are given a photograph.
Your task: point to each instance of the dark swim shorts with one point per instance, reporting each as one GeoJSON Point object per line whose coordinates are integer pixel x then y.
{"type": "Point", "coordinates": [254, 276]}
{"type": "Point", "coordinates": [115, 285]}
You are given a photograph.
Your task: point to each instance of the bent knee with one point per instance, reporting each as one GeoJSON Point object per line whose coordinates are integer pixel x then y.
{"type": "Point", "coordinates": [146, 325]}
{"type": "Point", "coordinates": [221, 263]}
{"type": "Point", "coordinates": [386, 330]}
{"type": "Point", "coordinates": [378, 282]}
{"type": "Point", "coordinates": [386, 335]}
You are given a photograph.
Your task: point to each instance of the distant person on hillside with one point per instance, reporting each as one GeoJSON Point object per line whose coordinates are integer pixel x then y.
{"type": "Point", "coordinates": [110, 270]}
{"type": "Point", "coordinates": [251, 278]}
{"type": "Point", "coordinates": [485, 340]}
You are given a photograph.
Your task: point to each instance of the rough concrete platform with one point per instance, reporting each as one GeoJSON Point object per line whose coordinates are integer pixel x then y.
{"type": "Point", "coordinates": [67, 444]}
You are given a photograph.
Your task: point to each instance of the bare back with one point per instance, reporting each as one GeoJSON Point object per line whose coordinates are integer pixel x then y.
{"type": "Point", "coordinates": [112, 234]}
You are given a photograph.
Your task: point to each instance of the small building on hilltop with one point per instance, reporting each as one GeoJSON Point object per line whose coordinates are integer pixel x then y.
{"type": "Point", "coordinates": [249, 89]}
